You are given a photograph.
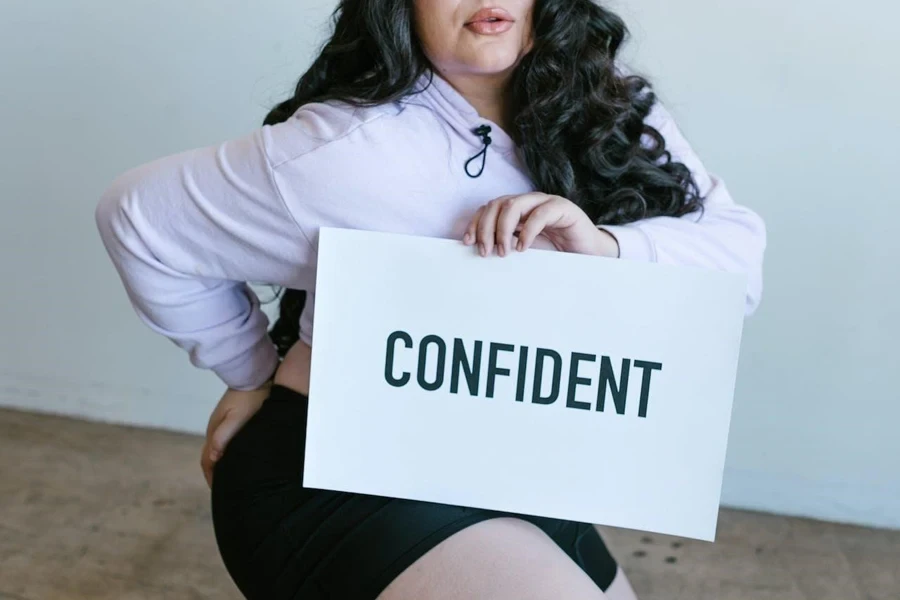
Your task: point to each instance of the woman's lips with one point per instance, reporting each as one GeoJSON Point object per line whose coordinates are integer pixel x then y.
{"type": "Point", "coordinates": [490, 21]}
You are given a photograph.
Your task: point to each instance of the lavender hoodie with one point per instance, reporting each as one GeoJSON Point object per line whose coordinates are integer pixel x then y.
{"type": "Point", "coordinates": [187, 232]}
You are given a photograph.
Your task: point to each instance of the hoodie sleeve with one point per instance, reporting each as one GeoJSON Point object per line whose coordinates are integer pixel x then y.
{"type": "Point", "coordinates": [186, 232]}
{"type": "Point", "coordinates": [724, 236]}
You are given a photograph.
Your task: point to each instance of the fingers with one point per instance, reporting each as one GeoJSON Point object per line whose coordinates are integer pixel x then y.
{"type": "Point", "coordinates": [539, 219]}
{"type": "Point", "coordinates": [470, 236]}
{"type": "Point", "coordinates": [230, 415]}
{"type": "Point", "coordinates": [496, 223]}
{"type": "Point", "coordinates": [214, 419]}
{"type": "Point", "coordinates": [207, 464]}
{"type": "Point", "coordinates": [487, 226]}
{"type": "Point", "coordinates": [511, 213]}
{"type": "Point", "coordinates": [216, 443]}
{"type": "Point", "coordinates": [207, 458]}
{"type": "Point", "coordinates": [226, 430]}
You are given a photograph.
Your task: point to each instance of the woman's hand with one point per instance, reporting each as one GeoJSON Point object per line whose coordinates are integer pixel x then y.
{"type": "Point", "coordinates": [233, 411]}
{"type": "Point", "coordinates": [511, 223]}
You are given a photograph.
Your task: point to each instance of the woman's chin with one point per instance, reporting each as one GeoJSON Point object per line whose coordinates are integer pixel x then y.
{"type": "Point", "coordinates": [494, 64]}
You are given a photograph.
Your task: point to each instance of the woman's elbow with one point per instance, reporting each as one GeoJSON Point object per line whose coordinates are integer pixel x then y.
{"type": "Point", "coordinates": [116, 210]}
{"type": "Point", "coordinates": [109, 215]}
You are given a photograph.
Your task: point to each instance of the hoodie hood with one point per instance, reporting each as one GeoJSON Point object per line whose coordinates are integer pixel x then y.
{"type": "Point", "coordinates": [446, 102]}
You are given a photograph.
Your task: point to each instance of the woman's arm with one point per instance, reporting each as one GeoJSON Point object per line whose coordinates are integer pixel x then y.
{"type": "Point", "coordinates": [725, 236]}
{"type": "Point", "coordinates": [185, 232]}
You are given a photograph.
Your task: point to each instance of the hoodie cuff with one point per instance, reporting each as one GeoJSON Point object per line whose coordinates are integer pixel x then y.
{"type": "Point", "coordinates": [634, 244]}
{"type": "Point", "coordinates": [250, 371]}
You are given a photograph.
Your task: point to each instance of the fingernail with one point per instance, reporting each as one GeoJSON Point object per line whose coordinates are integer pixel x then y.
{"type": "Point", "coordinates": [482, 250]}
{"type": "Point", "coordinates": [467, 238]}
{"type": "Point", "coordinates": [520, 246]}
{"type": "Point", "coordinates": [501, 249]}
{"type": "Point", "coordinates": [214, 456]}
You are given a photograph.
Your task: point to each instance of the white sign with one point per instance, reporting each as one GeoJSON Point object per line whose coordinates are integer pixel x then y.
{"type": "Point", "coordinates": [548, 384]}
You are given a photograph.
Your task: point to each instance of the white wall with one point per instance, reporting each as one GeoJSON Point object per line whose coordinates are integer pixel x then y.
{"type": "Point", "coordinates": [87, 90]}
{"type": "Point", "coordinates": [794, 104]}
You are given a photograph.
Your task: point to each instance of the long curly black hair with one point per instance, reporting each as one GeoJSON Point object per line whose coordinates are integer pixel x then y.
{"type": "Point", "coordinates": [579, 123]}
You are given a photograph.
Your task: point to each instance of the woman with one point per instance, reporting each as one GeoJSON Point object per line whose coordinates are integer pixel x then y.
{"type": "Point", "coordinates": [505, 125]}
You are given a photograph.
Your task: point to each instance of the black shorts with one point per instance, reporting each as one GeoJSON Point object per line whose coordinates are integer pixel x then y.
{"type": "Point", "coordinates": [280, 540]}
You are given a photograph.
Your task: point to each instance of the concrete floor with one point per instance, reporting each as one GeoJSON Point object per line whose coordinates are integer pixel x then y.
{"type": "Point", "coordinates": [102, 512]}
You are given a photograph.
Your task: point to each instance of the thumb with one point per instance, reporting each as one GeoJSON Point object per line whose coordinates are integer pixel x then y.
{"type": "Point", "coordinates": [227, 428]}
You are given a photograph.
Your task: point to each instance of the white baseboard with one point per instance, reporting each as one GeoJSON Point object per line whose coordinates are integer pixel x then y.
{"type": "Point", "coordinates": [843, 502]}
{"type": "Point", "coordinates": [105, 403]}
{"type": "Point", "coordinates": [853, 503]}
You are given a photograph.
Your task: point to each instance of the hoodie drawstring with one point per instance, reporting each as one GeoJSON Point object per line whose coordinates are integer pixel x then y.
{"type": "Point", "coordinates": [484, 132]}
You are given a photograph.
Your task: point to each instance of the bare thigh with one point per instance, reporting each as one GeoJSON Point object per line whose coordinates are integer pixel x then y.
{"type": "Point", "coordinates": [499, 559]}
